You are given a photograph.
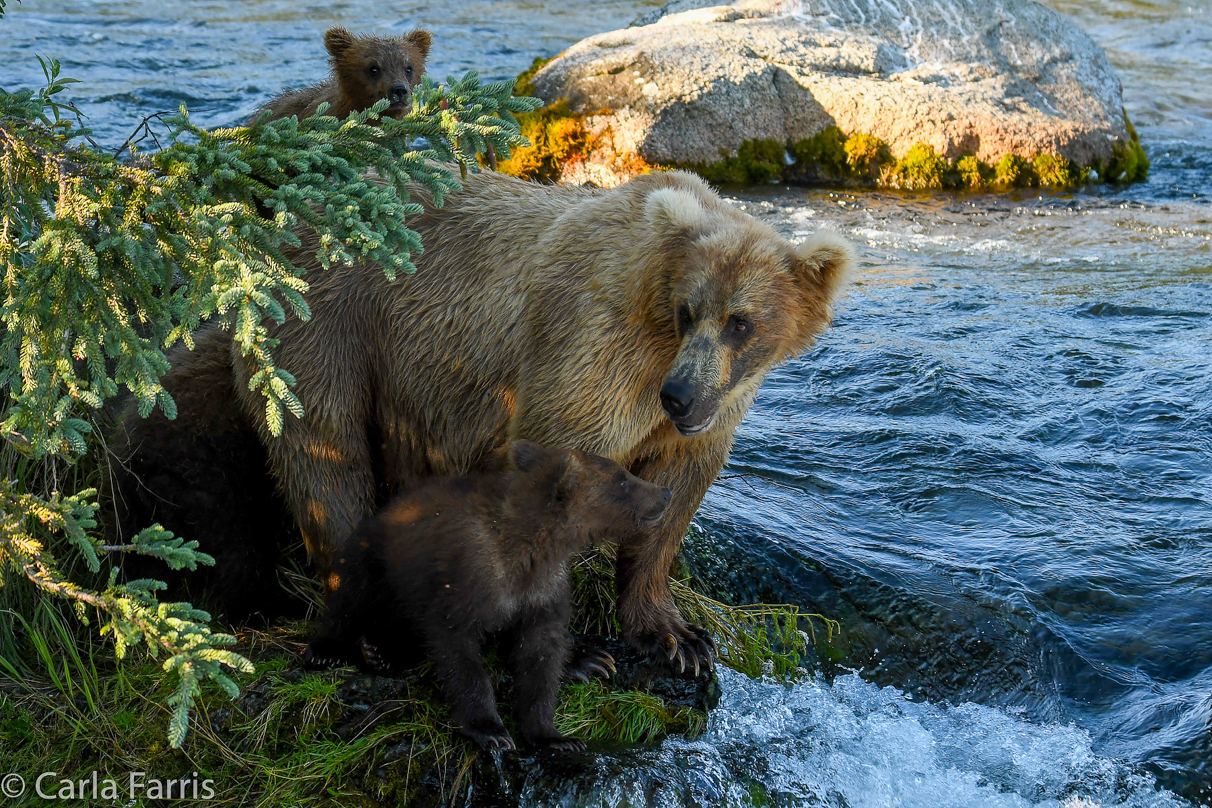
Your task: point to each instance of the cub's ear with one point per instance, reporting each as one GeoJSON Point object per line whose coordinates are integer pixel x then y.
{"type": "Point", "coordinates": [421, 40]}
{"type": "Point", "coordinates": [337, 41]}
{"type": "Point", "coordinates": [565, 478]}
{"type": "Point", "coordinates": [821, 266]}
{"type": "Point", "coordinates": [675, 213]}
{"type": "Point", "coordinates": [525, 455]}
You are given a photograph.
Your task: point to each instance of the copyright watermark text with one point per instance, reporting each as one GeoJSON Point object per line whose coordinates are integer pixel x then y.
{"type": "Point", "coordinates": [134, 785]}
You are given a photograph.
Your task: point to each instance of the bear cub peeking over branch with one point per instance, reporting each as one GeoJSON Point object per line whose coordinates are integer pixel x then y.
{"type": "Point", "coordinates": [365, 69]}
{"type": "Point", "coordinates": [458, 560]}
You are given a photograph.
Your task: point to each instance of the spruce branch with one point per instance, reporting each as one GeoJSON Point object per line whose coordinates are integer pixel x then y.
{"type": "Point", "coordinates": [107, 261]}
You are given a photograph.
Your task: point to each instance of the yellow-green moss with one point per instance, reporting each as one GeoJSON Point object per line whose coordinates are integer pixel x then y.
{"type": "Point", "coordinates": [556, 135]}
{"type": "Point", "coordinates": [1054, 170]}
{"type": "Point", "coordinates": [867, 155]}
{"type": "Point", "coordinates": [921, 168]}
{"type": "Point", "coordinates": [974, 173]}
{"type": "Point", "coordinates": [823, 154]}
{"type": "Point", "coordinates": [560, 137]}
{"type": "Point", "coordinates": [1013, 170]}
{"type": "Point", "coordinates": [524, 85]}
{"type": "Point", "coordinates": [1128, 163]}
{"type": "Point", "coordinates": [755, 162]}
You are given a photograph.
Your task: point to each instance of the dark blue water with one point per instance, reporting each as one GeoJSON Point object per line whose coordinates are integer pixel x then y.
{"type": "Point", "coordinates": [995, 470]}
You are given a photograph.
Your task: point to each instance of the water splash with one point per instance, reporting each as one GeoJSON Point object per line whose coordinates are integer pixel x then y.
{"type": "Point", "coordinates": [853, 744]}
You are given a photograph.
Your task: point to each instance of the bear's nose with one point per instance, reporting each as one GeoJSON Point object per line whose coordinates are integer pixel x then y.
{"type": "Point", "coordinates": [400, 93]}
{"type": "Point", "coordinates": [677, 398]}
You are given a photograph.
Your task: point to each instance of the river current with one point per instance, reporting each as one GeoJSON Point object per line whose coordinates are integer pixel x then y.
{"type": "Point", "coordinates": [994, 470]}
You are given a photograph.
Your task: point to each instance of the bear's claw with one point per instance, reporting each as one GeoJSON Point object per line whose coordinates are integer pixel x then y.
{"type": "Point", "coordinates": [491, 741]}
{"type": "Point", "coordinates": [564, 745]}
{"type": "Point", "coordinates": [372, 658]}
{"type": "Point", "coordinates": [590, 663]}
{"type": "Point", "coordinates": [693, 649]}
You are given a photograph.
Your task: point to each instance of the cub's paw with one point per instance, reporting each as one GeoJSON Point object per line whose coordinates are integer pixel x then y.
{"type": "Point", "coordinates": [321, 655]}
{"type": "Point", "coordinates": [686, 647]}
{"type": "Point", "coordinates": [588, 663]}
{"type": "Point", "coordinates": [373, 660]}
{"type": "Point", "coordinates": [558, 743]}
{"type": "Point", "coordinates": [488, 737]}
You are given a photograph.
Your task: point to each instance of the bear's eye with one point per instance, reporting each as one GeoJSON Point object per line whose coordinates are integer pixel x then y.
{"type": "Point", "coordinates": [373, 70]}
{"type": "Point", "coordinates": [739, 325]}
{"type": "Point", "coordinates": [685, 320]}
{"type": "Point", "coordinates": [408, 70]}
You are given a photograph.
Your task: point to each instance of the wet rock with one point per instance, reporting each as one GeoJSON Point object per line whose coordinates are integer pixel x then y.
{"type": "Point", "coordinates": [689, 85]}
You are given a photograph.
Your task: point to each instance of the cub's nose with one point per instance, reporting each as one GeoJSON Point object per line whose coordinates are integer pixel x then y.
{"type": "Point", "coordinates": [677, 398]}
{"type": "Point", "coordinates": [400, 93]}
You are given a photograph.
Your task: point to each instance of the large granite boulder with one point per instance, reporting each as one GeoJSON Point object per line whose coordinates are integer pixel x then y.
{"type": "Point", "coordinates": [989, 78]}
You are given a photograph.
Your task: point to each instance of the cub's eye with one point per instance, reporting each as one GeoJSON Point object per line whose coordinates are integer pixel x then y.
{"type": "Point", "coordinates": [684, 318]}
{"type": "Point", "coordinates": [408, 70]}
{"type": "Point", "coordinates": [373, 70]}
{"type": "Point", "coordinates": [739, 325]}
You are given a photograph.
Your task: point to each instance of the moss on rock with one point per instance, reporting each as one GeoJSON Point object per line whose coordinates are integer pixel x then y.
{"type": "Point", "coordinates": [867, 155]}
{"type": "Point", "coordinates": [974, 173]}
{"type": "Point", "coordinates": [563, 142]}
{"type": "Point", "coordinates": [1128, 163]}
{"type": "Point", "coordinates": [921, 168]}
{"type": "Point", "coordinates": [824, 154]}
{"type": "Point", "coordinates": [755, 162]}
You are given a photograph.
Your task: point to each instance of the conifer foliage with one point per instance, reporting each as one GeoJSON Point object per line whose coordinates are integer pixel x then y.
{"type": "Point", "coordinates": [110, 259]}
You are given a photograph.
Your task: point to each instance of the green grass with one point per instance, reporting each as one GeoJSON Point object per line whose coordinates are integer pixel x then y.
{"type": "Point", "coordinates": [328, 738]}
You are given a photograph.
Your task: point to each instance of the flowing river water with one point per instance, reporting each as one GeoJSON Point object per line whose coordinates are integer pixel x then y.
{"type": "Point", "coordinates": [995, 470]}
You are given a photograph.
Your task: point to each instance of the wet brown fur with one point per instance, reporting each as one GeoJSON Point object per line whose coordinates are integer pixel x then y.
{"type": "Point", "coordinates": [398, 60]}
{"type": "Point", "coordinates": [548, 313]}
{"type": "Point", "coordinates": [450, 564]}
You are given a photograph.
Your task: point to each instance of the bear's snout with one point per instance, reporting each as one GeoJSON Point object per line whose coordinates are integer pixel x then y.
{"type": "Point", "coordinates": [677, 397]}
{"type": "Point", "coordinates": [657, 506]}
{"type": "Point", "coordinates": [400, 93]}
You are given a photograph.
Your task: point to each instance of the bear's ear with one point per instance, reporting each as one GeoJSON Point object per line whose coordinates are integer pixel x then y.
{"type": "Point", "coordinates": [824, 263]}
{"type": "Point", "coordinates": [337, 41]}
{"type": "Point", "coordinates": [675, 213]}
{"type": "Point", "coordinates": [421, 40]}
{"type": "Point", "coordinates": [565, 478]}
{"type": "Point", "coordinates": [525, 455]}
{"type": "Point", "coordinates": [821, 266]}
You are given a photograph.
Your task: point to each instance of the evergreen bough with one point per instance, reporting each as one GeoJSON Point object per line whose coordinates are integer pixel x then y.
{"type": "Point", "coordinates": [109, 259]}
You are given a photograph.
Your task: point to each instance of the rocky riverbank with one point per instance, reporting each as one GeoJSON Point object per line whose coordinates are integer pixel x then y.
{"type": "Point", "coordinates": [899, 94]}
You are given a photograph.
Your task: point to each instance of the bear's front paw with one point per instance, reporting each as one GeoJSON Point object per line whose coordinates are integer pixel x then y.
{"type": "Point", "coordinates": [488, 737]}
{"type": "Point", "coordinates": [320, 655]}
{"type": "Point", "coordinates": [558, 743]}
{"type": "Point", "coordinates": [685, 646]}
{"type": "Point", "coordinates": [588, 663]}
{"type": "Point", "coordinates": [373, 660]}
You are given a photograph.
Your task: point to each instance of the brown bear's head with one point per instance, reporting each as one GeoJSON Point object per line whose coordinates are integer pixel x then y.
{"type": "Point", "coordinates": [740, 298]}
{"type": "Point", "coordinates": [595, 497]}
{"type": "Point", "coordinates": [370, 68]}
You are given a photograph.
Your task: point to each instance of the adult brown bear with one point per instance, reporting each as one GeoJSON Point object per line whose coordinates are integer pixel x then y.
{"type": "Point", "coordinates": [634, 323]}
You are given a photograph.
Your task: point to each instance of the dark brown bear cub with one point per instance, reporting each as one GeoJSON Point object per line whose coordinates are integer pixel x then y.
{"type": "Point", "coordinates": [365, 69]}
{"type": "Point", "coordinates": [449, 564]}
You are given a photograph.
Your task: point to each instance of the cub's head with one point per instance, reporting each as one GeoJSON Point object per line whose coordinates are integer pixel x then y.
{"type": "Point", "coordinates": [738, 299]}
{"type": "Point", "coordinates": [599, 499]}
{"type": "Point", "coordinates": [370, 68]}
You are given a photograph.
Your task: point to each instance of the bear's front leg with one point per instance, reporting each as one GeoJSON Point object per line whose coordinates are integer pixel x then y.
{"type": "Point", "coordinates": [650, 619]}
{"type": "Point", "coordinates": [541, 649]}
{"type": "Point", "coordinates": [460, 670]}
